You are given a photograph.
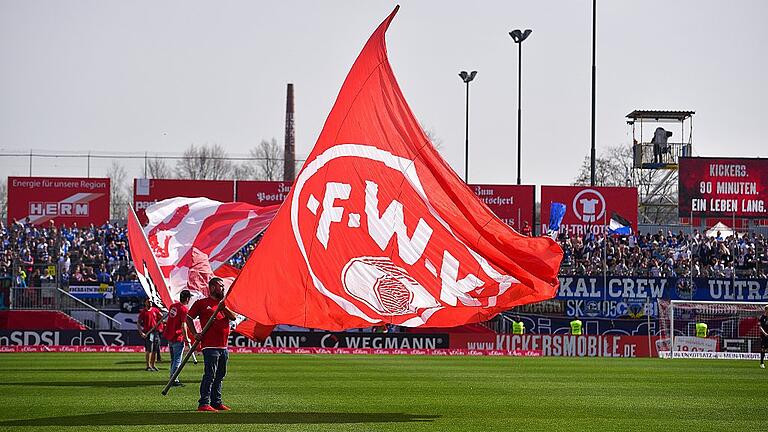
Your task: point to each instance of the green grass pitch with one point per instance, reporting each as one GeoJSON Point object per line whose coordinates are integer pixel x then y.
{"type": "Point", "coordinates": [111, 392]}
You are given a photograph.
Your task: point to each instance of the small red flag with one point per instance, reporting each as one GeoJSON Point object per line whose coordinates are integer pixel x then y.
{"type": "Point", "coordinates": [147, 269]}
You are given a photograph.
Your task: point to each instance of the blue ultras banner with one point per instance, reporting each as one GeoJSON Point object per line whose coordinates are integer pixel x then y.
{"type": "Point", "coordinates": [638, 290]}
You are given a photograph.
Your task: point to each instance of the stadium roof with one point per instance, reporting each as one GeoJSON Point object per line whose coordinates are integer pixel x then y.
{"type": "Point", "coordinates": [660, 115]}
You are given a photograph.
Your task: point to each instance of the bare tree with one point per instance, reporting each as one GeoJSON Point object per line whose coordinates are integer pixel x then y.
{"type": "Point", "coordinates": [3, 200]}
{"type": "Point", "coordinates": [605, 174]}
{"type": "Point", "coordinates": [434, 139]}
{"type": "Point", "coordinates": [205, 162]}
{"type": "Point", "coordinates": [158, 169]}
{"type": "Point", "coordinates": [266, 163]}
{"type": "Point", "coordinates": [615, 167]}
{"type": "Point", "coordinates": [242, 171]}
{"type": "Point", "coordinates": [118, 189]}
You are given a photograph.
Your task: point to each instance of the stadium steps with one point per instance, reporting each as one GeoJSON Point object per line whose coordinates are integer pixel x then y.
{"type": "Point", "coordinates": [38, 320]}
{"type": "Point", "coordinates": [56, 299]}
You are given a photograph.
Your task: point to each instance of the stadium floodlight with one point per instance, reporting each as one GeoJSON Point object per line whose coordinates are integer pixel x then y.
{"type": "Point", "coordinates": [467, 78]}
{"type": "Point", "coordinates": [519, 36]}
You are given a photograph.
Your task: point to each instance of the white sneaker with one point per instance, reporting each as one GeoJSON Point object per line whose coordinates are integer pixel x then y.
{"type": "Point", "coordinates": [762, 366]}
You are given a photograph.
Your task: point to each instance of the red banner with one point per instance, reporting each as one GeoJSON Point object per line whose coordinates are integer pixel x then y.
{"type": "Point", "coordinates": [723, 187]}
{"type": "Point", "coordinates": [276, 350]}
{"type": "Point", "coordinates": [262, 193]}
{"type": "Point", "coordinates": [560, 345]}
{"type": "Point", "coordinates": [589, 209]}
{"type": "Point", "coordinates": [149, 191]}
{"type": "Point", "coordinates": [65, 201]}
{"type": "Point", "coordinates": [513, 204]}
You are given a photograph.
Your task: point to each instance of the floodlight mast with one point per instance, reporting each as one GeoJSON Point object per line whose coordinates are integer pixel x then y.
{"type": "Point", "coordinates": [519, 36]}
{"type": "Point", "coordinates": [467, 78]}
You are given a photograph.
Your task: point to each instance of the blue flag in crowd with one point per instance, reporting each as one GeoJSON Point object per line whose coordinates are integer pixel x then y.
{"type": "Point", "coordinates": [556, 214]}
{"type": "Point", "coordinates": [618, 225]}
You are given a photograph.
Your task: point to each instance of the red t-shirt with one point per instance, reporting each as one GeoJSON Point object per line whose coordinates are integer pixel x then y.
{"type": "Point", "coordinates": [149, 317]}
{"type": "Point", "coordinates": [218, 333]}
{"type": "Point", "coordinates": [177, 315]}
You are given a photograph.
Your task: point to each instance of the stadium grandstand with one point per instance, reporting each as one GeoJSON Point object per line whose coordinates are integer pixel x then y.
{"type": "Point", "coordinates": [35, 256]}
{"type": "Point", "coordinates": [167, 264]}
{"type": "Point", "coordinates": [87, 272]}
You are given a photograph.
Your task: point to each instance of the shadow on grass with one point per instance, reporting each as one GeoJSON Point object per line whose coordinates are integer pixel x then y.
{"type": "Point", "coordinates": [133, 418]}
{"type": "Point", "coordinates": [103, 384]}
{"type": "Point", "coordinates": [94, 369]}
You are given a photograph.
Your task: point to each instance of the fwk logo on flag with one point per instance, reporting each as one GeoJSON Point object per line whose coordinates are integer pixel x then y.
{"type": "Point", "coordinates": [364, 211]}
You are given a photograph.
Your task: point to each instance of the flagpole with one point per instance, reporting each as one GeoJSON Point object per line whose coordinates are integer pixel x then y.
{"type": "Point", "coordinates": [605, 252]}
{"type": "Point", "coordinates": [157, 324]}
{"type": "Point", "coordinates": [194, 358]}
{"type": "Point", "coordinates": [690, 252]}
{"type": "Point", "coordinates": [198, 339]}
{"type": "Point", "coordinates": [194, 346]}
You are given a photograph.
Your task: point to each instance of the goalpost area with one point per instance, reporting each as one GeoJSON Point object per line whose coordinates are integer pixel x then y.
{"type": "Point", "coordinates": [731, 329]}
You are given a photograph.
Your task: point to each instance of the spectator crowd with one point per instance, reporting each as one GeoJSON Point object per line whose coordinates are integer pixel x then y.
{"type": "Point", "coordinates": [67, 255]}
{"type": "Point", "coordinates": [666, 255]}
{"type": "Point", "coordinates": [37, 255]}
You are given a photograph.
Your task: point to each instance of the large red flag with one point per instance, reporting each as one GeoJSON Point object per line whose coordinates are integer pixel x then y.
{"type": "Point", "coordinates": [378, 228]}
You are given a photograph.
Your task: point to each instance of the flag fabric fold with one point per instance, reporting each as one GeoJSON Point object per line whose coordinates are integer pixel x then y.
{"type": "Point", "coordinates": [619, 226]}
{"type": "Point", "coordinates": [181, 234]}
{"type": "Point", "coordinates": [176, 226]}
{"type": "Point", "coordinates": [200, 273]}
{"type": "Point", "coordinates": [556, 215]}
{"type": "Point", "coordinates": [147, 270]}
{"type": "Point", "coordinates": [379, 229]}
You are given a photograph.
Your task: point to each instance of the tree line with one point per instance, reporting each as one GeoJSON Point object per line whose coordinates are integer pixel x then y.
{"type": "Point", "coordinates": [613, 167]}
{"type": "Point", "coordinates": [198, 162]}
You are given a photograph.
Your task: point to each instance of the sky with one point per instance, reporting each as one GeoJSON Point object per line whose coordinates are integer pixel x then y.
{"type": "Point", "coordinates": [117, 77]}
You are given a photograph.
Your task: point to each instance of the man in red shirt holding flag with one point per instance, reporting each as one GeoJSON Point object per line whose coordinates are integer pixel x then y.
{"type": "Point", "coordinates": [148, 324]}
{"type": "Point", "coordinates": [176, 331]}
{"type": "Point", "coordinates": [213, 343]}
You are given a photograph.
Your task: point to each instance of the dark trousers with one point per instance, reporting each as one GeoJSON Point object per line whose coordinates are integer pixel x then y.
{"type": "Point", "coordinates": [215, 369]}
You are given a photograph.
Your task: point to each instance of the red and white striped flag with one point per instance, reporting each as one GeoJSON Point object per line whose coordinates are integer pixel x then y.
{"type": "Point", "coordinates": [176, 226]}
{"type": "Point", "coordinates": [181, 234]}
{"type": "Point", "coordinates": [200, 273]}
